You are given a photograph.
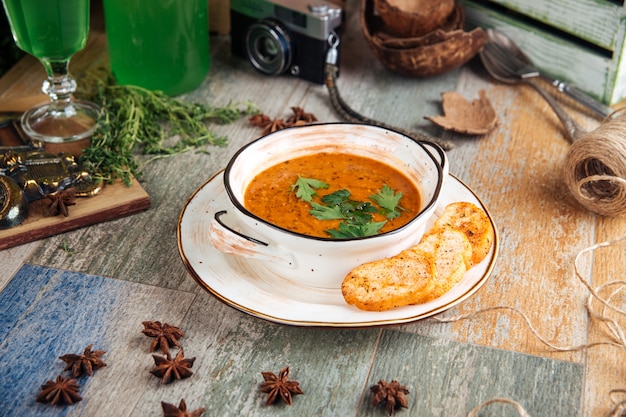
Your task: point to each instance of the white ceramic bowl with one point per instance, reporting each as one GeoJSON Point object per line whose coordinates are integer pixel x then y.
{"type": "Point", "coordinates": [315, 261]}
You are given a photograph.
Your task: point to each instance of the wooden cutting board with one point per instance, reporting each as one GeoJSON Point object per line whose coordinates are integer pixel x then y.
{"type": "Point", "coordinates": [20, 87]}
{"type": "Point", "coordinates": [114, 201]}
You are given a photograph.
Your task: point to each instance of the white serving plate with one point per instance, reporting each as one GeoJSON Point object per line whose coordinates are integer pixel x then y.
{"type": "Point", "coordinates": [247, 286]}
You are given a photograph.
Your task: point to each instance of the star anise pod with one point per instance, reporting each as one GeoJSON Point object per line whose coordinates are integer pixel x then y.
{"type": "Point", "coordinates": [392, 393]}
{"type": "Point", "coordinates": [273, 126]}
{"type": "Point", "coordinates": [59, 201]}
{"type": "Point", "coordinates": [299, 115]}
{"type": "Point", "coordinates": [61, 391]}
{"type": "Point", "coordinates": [88, 362]}
{"type": "Point", "coordinates": [260, 120]}
{"type": "Point", "coordinates": [164, 335]}
{"type": "Point", "coordinates": [170, 410]}
{"type": "Point", "coordinates": [281, 386]}
{"type": "Point", "coordinates": [298, 123]}
{"type": "Point", "coordinates": [169, 369]}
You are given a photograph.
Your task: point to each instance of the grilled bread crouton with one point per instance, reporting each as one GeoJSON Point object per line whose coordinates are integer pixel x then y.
{"type": "Point", "coordinates": [391, 282]}
{"type": "Point", "coordinates": [460, 238]}
{"type": "Point", "coordinates": [471, 220]}
{"type": "Point", "coordinates": [452, 252]}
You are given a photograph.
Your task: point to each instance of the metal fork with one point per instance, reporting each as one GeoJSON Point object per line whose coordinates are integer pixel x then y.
{"type": "Point", "coordinates": [503, 49]}
{"type": "Point", "coordinates": [498, 70]}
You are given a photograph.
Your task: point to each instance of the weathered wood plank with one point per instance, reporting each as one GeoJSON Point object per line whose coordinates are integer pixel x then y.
{"type": "Point", "coordinates": [597, 21]}
{"type": "Point", "coordinates": [233, 350]}
{"type": "Point", "coordinates": [447, 378]}
{"type": "Point", "coordinates": [114, 201]}
{"type": "Point", "coordinates": [12, 259]}
{"type": "Point", "coordinates": [516, 171]}
{"type": "Point", "coordinates": [605, 364]}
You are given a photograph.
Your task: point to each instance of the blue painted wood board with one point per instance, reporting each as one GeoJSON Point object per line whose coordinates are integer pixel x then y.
{"type": "Point", "coordinates": [47, 312]}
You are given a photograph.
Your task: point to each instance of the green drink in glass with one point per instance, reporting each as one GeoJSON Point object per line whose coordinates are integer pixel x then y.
{"type": "Point", "coordinates": [53, 31]}
{"type": "Point", "coordinates": [158, 45]}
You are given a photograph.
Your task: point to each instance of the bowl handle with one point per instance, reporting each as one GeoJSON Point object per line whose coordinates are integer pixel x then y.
{"type": "Point", "coordinates": [227, 240]}
{"type": "Point", "coordinates": [438, 153]}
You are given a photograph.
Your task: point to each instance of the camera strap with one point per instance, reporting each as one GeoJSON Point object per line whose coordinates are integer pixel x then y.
{"type": "Point", "coordinates": [331, 70]}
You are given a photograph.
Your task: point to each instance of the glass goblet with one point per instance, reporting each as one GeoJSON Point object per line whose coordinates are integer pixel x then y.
{"type": "Point", "coordinates": [53, 31]}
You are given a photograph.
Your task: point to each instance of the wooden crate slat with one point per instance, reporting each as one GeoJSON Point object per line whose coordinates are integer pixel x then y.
{"type": "Point", "coordinates": [600, 74]}
{"type": "Point", "coordinates": [598, 22]}
{"type": "Point", "coordinates": [618, 92]}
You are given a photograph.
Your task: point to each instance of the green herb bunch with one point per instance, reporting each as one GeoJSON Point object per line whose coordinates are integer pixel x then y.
{"type": "Point", "coordinates": [356, 216]}
{"type": "Point", "coordinates": [136, 120]}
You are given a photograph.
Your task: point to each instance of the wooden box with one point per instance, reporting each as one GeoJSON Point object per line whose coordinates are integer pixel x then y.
{"type": "Point", "coordinates": [580, 41]}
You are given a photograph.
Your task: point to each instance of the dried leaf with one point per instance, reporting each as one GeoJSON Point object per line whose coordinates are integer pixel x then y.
{"type": "Point", "coordinates": [475, 118]}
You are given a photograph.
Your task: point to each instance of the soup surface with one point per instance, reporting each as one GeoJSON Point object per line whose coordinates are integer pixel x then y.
{"type": "Point", "coordinates": [272, 194]}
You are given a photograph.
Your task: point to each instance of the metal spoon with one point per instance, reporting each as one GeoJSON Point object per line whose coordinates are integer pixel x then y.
{"type": "Point", "coordinates": [502, 48]}
{"type": "Point", "coordinates": [501, 72]}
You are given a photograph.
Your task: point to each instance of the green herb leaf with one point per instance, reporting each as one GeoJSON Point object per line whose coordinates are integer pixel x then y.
{"type": "Point", "coordinates": [353, 211]}
{"type": "Point", "coordinates": [336, 198]}
{"type": "Point", "coordinates": [388, 199]}
{"type": "Point", "coordinates": [306, 188]}
{"type": "Point", "coordinates": [356, 216]}
{"type": "Point", "coordinates": [359, 213]}
{"type": "Point", "coordinates": [322, 212]}
{"type": "Point", "coordinates": [67, 249]}
{"type": "Point", "coordinates": [347, 230]}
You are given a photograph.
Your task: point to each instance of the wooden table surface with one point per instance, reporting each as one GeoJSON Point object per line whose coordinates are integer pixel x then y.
{"type": "Point", "coordinates": [129, 270]}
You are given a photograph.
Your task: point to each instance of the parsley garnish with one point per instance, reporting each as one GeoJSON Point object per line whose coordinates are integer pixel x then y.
{"type": "Point", "coordinates": [388, 200]}
{"type": "Point", "coordinates": [348, 230]}
{"type": "Point", "coordinates": [326, 212]}
{"type": "Point", "coordinates": [356, 216]}
{"type": "Point", "coordinates": [355, 212]}
{"type": "Point", "coordinates": [306, 188]}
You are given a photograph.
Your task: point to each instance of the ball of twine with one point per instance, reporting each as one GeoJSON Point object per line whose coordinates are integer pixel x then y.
{"type": "Point", "coordinates": [595, 168]}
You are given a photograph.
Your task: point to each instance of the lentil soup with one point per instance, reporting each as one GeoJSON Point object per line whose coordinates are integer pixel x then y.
{"type": "Point", "coordinates": [270, 194]}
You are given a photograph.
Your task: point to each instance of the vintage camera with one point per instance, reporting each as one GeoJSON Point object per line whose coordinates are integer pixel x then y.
{"type": "Point", "coordinates": [285, 36]}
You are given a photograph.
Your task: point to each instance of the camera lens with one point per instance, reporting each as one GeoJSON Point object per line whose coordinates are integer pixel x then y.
{"type": "Point", "coordinates": [268, 47]}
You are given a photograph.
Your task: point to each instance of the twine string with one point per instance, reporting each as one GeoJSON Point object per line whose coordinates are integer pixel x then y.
{"type": "Point", "coordinates": [522, 412]}
{"type": "Point", "coordinates": [595, 167]}
{"type": "Point", "coordinates": [619, 409]}
{"type": "Point", "coordinates": [348, 114]}
{"type": "Point", "coordinates": [615, 333]}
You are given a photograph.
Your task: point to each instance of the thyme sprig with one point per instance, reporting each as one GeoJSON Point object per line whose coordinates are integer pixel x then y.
{"type": "Point", "coordinates": [134, 120]}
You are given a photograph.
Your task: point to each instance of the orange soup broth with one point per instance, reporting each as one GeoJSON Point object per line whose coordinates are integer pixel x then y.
{"type": "Point", "coordinates": [270, 195]}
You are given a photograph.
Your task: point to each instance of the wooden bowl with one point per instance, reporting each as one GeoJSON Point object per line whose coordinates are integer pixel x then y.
{"type": "Point", "coordinates": [436, 52]}
{"type": "Point", "coordinates": [455, 21]}
{"type": "Point", "coordinates": [410, 18]}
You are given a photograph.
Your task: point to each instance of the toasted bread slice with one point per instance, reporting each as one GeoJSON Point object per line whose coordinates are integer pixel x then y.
{"type": "Point", "coordinates": [452, 252]}
{"type": "Point", "coordinates": [391, 282]}
{"type": "Point", "coordinates": [471, 220]}
{"type": "Point", "coordinates": [460, 238]}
